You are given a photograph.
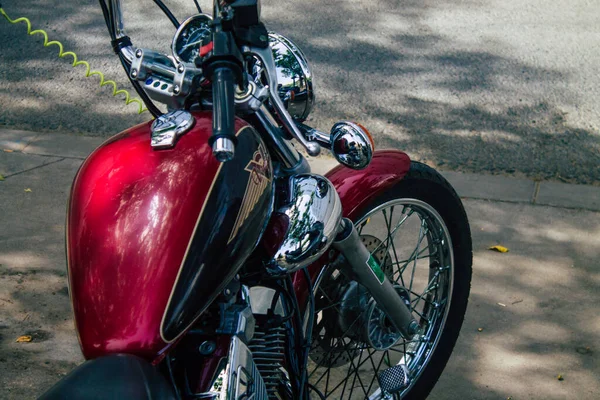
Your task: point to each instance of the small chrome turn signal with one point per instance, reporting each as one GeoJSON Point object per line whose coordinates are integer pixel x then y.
{"type": "Point", "coordinates": [351, 145]}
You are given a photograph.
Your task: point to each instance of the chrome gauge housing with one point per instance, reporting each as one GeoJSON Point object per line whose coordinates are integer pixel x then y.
{"type": "Point", "coordinates": [191, 35]}
{"type": "Point", "coordinates": [294, 78]}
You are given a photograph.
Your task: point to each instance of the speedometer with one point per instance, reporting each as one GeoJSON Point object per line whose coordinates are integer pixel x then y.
{"type": "Point", "coordinates": [193, 33]}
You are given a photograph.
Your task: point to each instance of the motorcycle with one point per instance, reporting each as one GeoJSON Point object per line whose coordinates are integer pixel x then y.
{"type": "Point", "coordinates": [206, 261]}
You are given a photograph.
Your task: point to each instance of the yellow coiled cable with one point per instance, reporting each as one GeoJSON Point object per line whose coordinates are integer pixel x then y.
{"type": "Point", "coordinates": [76, 62]}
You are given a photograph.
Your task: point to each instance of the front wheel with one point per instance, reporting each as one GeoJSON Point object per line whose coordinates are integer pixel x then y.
{"type": "Point", "coordinates": [420, 235]}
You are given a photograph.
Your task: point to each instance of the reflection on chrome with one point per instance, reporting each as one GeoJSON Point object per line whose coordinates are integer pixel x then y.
{"type": "Point", "coordinates": [314, 211]}
{"type": "Point", "coordinates": [167, 127]}
{"type": "Point", "coordinates": [294, 79]}
{"type": "Point", "coordinates": [351, 145]}
{"type": "Point", "coordinates": [238, 376]}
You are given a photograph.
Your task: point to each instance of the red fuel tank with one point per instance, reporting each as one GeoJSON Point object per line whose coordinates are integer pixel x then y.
{"type": "Point", "coordinates": [153, 236]}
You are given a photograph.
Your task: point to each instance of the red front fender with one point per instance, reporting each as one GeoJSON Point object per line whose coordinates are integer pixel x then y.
{"type": "Point", "coordinates": [357, 189]}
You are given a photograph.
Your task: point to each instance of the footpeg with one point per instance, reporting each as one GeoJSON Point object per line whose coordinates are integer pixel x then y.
{"type": "Point", "coordinates": [394, 379]}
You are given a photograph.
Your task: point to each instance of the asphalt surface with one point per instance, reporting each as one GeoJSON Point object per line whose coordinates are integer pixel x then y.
{"type": "Point", "coordinates": [532, 315]}
{"type": "Point", "coordinates": [506, 87]}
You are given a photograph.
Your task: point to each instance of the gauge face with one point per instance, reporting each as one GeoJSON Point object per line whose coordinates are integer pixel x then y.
{"type": "Point", "coordinates": [191, 35]}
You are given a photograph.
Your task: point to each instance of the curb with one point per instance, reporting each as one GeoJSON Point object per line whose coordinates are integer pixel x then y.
{"type": "Point", "coordinates": [468, 185]}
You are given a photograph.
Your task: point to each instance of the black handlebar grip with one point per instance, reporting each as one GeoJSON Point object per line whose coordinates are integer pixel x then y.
{"type": "Point", "coordinates": [223, 89]}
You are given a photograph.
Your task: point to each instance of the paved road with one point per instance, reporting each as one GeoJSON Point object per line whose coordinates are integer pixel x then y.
{"type": "Point", "coordinates": [536, 305]}
{"type": "Point", "coordinates": [506, 87]}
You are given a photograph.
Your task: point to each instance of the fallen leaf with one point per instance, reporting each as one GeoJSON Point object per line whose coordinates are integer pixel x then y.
{"type": "Point", "coordinates": [8, 150]}
{"type": "Point", "coordinates": [28, 190]}
{"type": "Point", "coordinates": [498, 248]}
{"type": "Point", "coordinates": [24, 339]}
{"type": "Point", "coordinates": [560, 377]}
{"type": "Point", "coordinates": [584, 350]}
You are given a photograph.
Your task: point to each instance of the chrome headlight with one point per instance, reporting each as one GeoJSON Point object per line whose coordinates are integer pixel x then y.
{"type": "Point", "coordinates": [295, 86]}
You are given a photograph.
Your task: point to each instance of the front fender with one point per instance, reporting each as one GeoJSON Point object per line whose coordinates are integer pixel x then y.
{"type": "Point", "coordinates": [358, 188]}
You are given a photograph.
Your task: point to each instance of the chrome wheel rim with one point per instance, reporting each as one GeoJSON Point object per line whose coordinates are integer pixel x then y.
{"type": "Point", "coordinates": [418, 243]}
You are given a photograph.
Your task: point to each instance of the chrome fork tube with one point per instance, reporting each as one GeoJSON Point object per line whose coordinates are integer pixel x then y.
{"type": "Point", "coordinates": [285, 151]}
{"type": "Point", "coordinates": [360, 265]}
{"type": "Point", "coordinates": [117, 17]}
{"type": "Point", "coordinates": [119, 28]}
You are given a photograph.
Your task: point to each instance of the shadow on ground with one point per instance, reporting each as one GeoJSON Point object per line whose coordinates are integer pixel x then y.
{"type": "Point", "coordinates": [453, 104]}
{"type": "Point", "coordinates": [533, 305]}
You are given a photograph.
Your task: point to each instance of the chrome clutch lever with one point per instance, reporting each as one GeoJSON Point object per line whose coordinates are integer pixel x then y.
{"type": "Point", "coordinates": [266, 58]}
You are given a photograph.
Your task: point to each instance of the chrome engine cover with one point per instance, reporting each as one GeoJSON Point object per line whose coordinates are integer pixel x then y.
{"type": "Point", "coordinates": [313, 211]}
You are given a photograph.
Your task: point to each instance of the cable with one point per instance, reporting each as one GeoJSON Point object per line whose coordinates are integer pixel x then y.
{"type": "Point", "coordinates": [167, 12]}
{"type": "Point", "coordinates": [198, 6]}
{"type": "Point", "coordinates": [76, 62]}
{"type": "Point", "coordinates": [107, 19]}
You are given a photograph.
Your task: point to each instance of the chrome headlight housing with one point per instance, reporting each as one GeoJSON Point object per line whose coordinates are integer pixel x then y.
{"type": "Point", "coordinates": [294, 79]}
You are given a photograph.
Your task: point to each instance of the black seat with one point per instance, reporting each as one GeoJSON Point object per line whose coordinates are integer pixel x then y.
{"type": "Point", "coordinates": [117, 376]}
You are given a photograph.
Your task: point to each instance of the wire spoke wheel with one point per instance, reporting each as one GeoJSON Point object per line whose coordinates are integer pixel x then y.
{"type": "Point", "coordinates": [412, 244]}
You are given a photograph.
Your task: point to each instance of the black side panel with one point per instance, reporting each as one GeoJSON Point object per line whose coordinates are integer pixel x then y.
{"type": "Point", "coordinates": [232, 223]}
{"type": "Point", "coordinates": [112, 377]}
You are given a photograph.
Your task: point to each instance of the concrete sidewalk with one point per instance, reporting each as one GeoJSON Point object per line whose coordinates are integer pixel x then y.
{"type": "Point", "coordinates": [532, 315]}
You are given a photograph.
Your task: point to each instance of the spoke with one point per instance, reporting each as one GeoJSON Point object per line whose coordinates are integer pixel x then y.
{"type": "Point", "coordinates": [375, 371]}
{"type": "Point", "coordinates": [362, 225]}
{"type": "Point", "coordinates": [387, 359]}
{"type": "Point", "coordinates": [420, 315]}
{"type": "Point", "coordinates": [391, 240]}
{"type": "Point", "coordinates": [327, 380]}
{"type": "Point", "coordinates": [410, 353]}
{"type": "Point", "coordinates": [419, 257]}
{"type": "Point", "coordinates": [430, 286]}
{"type": "Point", "coordinates": [328, 307]}
{"type": "Point", "coordinates": [356, 369]}
{"type": "Point", "coordinates": [422, 233]}
{"type": "Point", "coordinates": [390, 236]}
{"type": "Point", "coordinates": [353, 380]}
{"type": "Point", "coordinates": [342, 336]}
{"type": "Point", "coordinates": [405, 263]}
{"type": "Point", "coordinates": [391, 233]}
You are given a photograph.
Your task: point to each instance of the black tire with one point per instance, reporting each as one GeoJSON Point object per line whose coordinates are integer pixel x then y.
{"type": "Point", "coordinates": [421, 190]}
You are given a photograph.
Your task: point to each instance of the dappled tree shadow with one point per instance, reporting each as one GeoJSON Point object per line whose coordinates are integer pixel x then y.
{"type": "Point", "coordinates": [455, 106]}
{"type": "Point", "coordinates": [381, 64]}
{"type": "Point", "coordinates": [533, 305]}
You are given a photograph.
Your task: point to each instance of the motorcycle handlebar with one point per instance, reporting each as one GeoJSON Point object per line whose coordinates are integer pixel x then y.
{"type": "Point", "coordinates": [223, 138]}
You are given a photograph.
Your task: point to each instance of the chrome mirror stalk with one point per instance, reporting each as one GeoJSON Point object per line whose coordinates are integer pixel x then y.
{"type": "Point", "coordinates": [266, 58]}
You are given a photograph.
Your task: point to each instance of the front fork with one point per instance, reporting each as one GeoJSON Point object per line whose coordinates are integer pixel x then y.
{"type": "Point", "coordinates": [361, 265]}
